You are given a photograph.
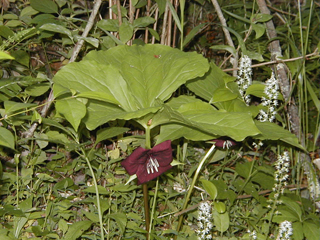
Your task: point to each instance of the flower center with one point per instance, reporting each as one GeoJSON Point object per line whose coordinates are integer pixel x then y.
{"type": "Point", "coordinates": [152, 165]}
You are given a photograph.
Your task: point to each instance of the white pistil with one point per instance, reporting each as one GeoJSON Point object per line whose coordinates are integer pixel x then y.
{"type": "Point", "coordinates": [152, 165]}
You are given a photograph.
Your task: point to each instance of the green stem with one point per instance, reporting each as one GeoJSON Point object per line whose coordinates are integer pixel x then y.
{"type": "Point", "coordinates": [182, 4]}
{"type": "Point", "coordinates": [97, 194]}
{"type": "Point", "coordinates": [145, 187]}
{"type": "Point", "coordinates": [195, 178]}
{"type": "Point", "coordinates": [154, 203]}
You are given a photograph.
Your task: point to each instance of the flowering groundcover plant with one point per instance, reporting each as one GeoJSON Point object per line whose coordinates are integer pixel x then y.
{"type": "Point", "coordinates": [148, 164]}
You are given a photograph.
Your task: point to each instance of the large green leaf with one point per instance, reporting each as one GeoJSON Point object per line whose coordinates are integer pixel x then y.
{"type": "Point", "coordinates": [127, 82]}
{"type": "Point", "coordinates": [271, 131]}
{"type": "Point", "coordinates": [203, 122]}
{"type": "Point", "coordinates": [152, 71]}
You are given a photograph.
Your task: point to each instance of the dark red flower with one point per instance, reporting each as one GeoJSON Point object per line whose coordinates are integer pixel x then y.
{"type": "Point", "coordinates": [148, 164]}
{"type": "Point", "coordinates": [222, 143]}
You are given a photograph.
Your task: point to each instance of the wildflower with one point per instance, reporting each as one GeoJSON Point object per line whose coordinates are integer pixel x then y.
{"type": "Point", "coordinates": [271, 102]}
{"type": "Point", "coordinates": [148, 164]}
{"type": "Point", "coordinates": [285, 230]}
{"type": "Point", "coordinates": [252, 234]}
{"type": "Point", "coordinates": [204, 221]}
{"type": "Point", "coordinates": [281, 174]}
{"type": "Point", "coordinates": [244, 77]}
{"type": "Point", "coordinates": [223, 143]}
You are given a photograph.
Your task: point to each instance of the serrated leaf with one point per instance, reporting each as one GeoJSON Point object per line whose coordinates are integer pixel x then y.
{"type": "Point", "coordinates": [77, 229]}
{"type": "Point", "coordinates": [6, 138]}
{"type": "Point", "coordinates": [73, 110]}
{"type": "Point", "coordinates": [210, 189]}
{"type": "Point", "coordinates": [45, 6]}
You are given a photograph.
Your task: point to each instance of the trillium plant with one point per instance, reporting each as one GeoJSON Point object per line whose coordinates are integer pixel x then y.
{"type": "Point", "coordinates": [149, 164]}
{"type": "Point", "coordinates": [136, 83]}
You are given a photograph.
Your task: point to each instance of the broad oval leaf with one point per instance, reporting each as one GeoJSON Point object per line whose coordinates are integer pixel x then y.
{"type": "Point", "coordinates": [210, 188]}
{"type": "Point", "coordinates": [45, 6]}
{"type": "Point", "coordinates": [6, 138]}
{"type": "Point", "coordinates": [73, 110]}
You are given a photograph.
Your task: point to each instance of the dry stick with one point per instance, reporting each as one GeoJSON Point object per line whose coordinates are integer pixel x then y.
{"type": "Point", "coordinates": [146, 35]}
{"type": "Point", "coordinates": [315, 53]}
{"type": "Point", "coordinates": [163, 34]}
{"type": "Point", "coordinates": [279, 69]}
{"type": "Point", "coordinates": [169, 28]}
{"type": "Point", "coordinates": [264, 192]}
{"type": "Point", "coordinates": [226, 33]}
{"type": "Point", "coordinates": [119, 12]}
{"type": "Point", "coordinates": [45, 109]}
{"type": "Point", "coordinates": [176, 4]}
{"type": "Point", "coordinates": [155, 25]}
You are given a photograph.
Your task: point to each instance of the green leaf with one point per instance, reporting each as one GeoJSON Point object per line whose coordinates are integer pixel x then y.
{"type": "Point", "coordinates": [230, 49]}
{"type": "Point", "coordinates": [271, 131]}
{"type": "Point", "coordinates": [21, 57]}
{"type": "Point", "coordinates": [261, 17]}
{"type": "Point", "coordinates": [221, 221]}
{"type": "Point", "coordinates": [293, 206]}
{"type": "Point", "coordinates": [4, 56]}
{"type": "Point", "coordinates": [193, 33]}
{"type": "Point", "coordinates": [92, 189]}
{"type": "Point", "coordinates": [11, 106]}
{"type": "Point", "coordinates": [6, 138]}
{"type": "Point", "coordinates": [212, 86]}
{"type": "Point", "coordinates": [259, 29]}
{"type": "Point", "coordinates": [73, 110]}
{"type": "Point", "coordinates": [210, 188]}
{"type": "Point", "coordinates": [111, 25]}
{"type": "Point", "coordinates": [37, 89]}
{"type": "Point", "coordinates": [77, 229]}
{"type": "Point", "coordinates": [45, 6]}
{"type": "Point", "coordinates": [121, 219]}
{"type": "Point", "coordinates": [175, 15]}
{"type": "Point", "coordinates": [125, 32]}
{"type": "Point", "coordinates": [220, 207]}
{"type": "Point", "coordinates": [298, 231]}
{"type": "Point", "coordinates": [139, 78]}
{"type": "Point", "coordinates": [311, 230]}
{"type": "Point", "coordinates": [108, 133]}
{"type": "Point", "coordinates": [52, 27]}
{"type": "Point", "coordinates": [143, 22]}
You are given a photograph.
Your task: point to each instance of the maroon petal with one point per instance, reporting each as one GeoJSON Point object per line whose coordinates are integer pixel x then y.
{"type": "Point", "coordinates": [137, 159]}
{"type": "Point", "coordinates": [223, 143]}
{"type": "Point", "coordinates": [144, 177]}
{"type": "Point", "coordinates": [163, 153]}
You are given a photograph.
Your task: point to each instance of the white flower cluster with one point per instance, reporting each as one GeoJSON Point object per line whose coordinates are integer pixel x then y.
{"type": "Point", "coordinates": [285, 231]}
{"type": "Point", "coordinates": [244, 77]}
{"type": "Point", "coordinates": [271, 102]}
{"type": "Point", "coordinates": [252, 234]}
{"type": "Point", "coordinates": [204, 221]}
{"type": "Point", "coordinates": [281, 174]}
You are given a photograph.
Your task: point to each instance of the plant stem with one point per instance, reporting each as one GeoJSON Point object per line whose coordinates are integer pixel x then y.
{"type": "Point", "coordinates": [97, 193]}
{"type": "Point", "coordinates": [145, 187]}
{"type": "Point", "coordinates": [195, 178]}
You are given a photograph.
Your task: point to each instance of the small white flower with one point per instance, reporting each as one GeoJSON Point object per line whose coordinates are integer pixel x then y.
{"type": "Point", "coordinates": [271, 102]}
{"type": "Point", "coordinates": [244, 77]}
{"type": "Point", "coordinates": [204, 221]}
{"type": "Point", "coordinates": [285, 230]}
